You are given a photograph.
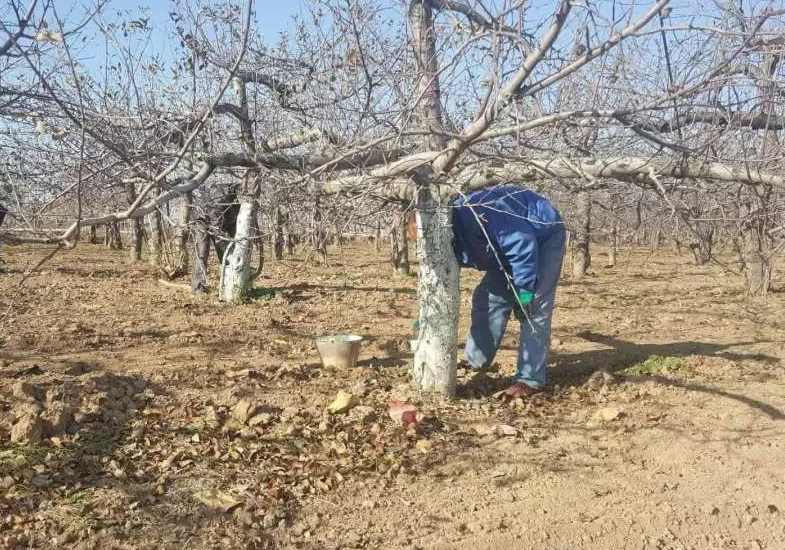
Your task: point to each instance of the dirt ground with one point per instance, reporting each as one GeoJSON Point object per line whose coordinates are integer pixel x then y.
{"type": "Point", "coordinates": [168, 420]}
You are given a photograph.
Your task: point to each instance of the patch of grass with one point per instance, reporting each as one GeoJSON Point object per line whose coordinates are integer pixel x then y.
{"type": "Point", "coordinates": [18, 457]}
{"type": "Point", "coordinates": [95, 443]}
{"type": "Point", "coordinates": [261, 293]}
{"type": "Point", "coordinates": [658, 364]}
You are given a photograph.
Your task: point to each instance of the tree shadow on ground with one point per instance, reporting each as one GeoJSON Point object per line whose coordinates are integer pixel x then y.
{"type": "Point", "coordinates": [339, 287]}
{"type": "Point", "coordinates": [574, 369]}
{"type": "Point", "coordinates": [621, 354]}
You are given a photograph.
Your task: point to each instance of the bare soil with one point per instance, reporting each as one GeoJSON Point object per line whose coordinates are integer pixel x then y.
{"type": "Point", "coordinates": [169, 420]}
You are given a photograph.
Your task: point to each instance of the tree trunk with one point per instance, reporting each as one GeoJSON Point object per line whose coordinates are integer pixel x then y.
{"type": "Point", "coordinates": [201, 244]}
{"type": "Point", "coordinates": [614, 243]}
{"type": "Point", "coordinates": [656, 238]}
{"type": "Point", "coordinates": [399, 254]}
{"type": "Point", "coordinates": [758, 247]}
{"type": "Point", "coordinates": [675, 243]}
{"type": "Point", "coordinates": [757, 264]}
{"type": "Point", "coordinates": [438, 294]}
{"type": "Point", "coordinates": [278, 234]}
{"type": "Point", "coordinates": [236, 267]}
{"type": "Point", "coordinates": [93, 234]}
{"type": "Point", "coordinates": [318, 234]}
{"type": "Point", "coordinates": [438, 291]}
{"type": "Point", "coordinates": [289, 240]}
{"type": "Point", "coordinates": [182, 234]}
{"type": "Point", "coordinates": [755, 245]}
{"type": "Point", "coordinates": [112, 237]}
{"type": "Point", "coordinates": [156, 241]}
{"type": "Point", "coordinates": [137, 240]}
{"type": "Point", "coordinates": [236, 274]}
{"type": "Point", "coordinates": [581, 258]}
{"type": "Point", "coordinates": [377, 240]}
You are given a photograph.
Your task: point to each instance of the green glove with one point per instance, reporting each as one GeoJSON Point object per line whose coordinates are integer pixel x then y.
{"type": "Point", "coordinates": [525, 297]}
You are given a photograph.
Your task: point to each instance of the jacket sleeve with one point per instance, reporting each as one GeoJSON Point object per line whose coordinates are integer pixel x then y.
{"type": "Point", "coordinates": [519, 248]}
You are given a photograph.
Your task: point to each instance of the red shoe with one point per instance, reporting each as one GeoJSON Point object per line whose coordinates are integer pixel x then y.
{"type": "Point", "coordinates": [519, 389]}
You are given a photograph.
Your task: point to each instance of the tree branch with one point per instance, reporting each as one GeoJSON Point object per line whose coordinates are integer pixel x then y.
{"type": "Point", "coordinates": [751, 121]}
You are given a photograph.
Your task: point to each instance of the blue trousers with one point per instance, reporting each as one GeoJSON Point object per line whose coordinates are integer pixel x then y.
{"type": "Point", "coordinates": [492, 303]}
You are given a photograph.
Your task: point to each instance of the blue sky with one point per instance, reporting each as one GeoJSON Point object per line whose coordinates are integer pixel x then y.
{"type": "Point", "coordinates": [272, 16]}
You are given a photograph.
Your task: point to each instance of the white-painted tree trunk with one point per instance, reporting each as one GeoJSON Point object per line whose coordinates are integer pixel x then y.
{"type": "Point", "coordinates": [436, 350]}
{"type": "Point", "coordinates": [236, 265]}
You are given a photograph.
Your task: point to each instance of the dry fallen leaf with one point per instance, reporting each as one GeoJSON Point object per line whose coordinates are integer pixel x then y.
{"type": "Point", "coordinates": [218, 500]}
{"type": "Point", "coordinates": [404, 413]}
{"type": "Point", "coordinates": [506, 430]}
{"type": "Point", "coordinates": [423, 445]}
{"type": "Point", "coordinates": [607, 414]}
{"type": "Point", "coordinates": [343, 402]}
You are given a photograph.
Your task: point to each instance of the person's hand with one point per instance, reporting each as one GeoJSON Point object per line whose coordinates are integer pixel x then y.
{"type": "Point", "coordinates": [523, 304]}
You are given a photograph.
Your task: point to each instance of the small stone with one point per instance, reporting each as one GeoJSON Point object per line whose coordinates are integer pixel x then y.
{"type": "Point", "coordinates": [6, 482]}
{"type": "Point", "coordinates": [601, 379]}
{"type": "Point", "coordinates": [270, 520]}
{"type": "Point", "coordinates": [289, 413]}
{"type": "Point", "coordinates": [56, 419]}
{"type": "Point", "coordinates": [26, 390]}
{"type": "Point", "coordinates": [27, 430]}
{"type": "Point", "coordinates": [369, 504]}
{"type": "Point", "coordinates": [505, 430]}
{"type": "Point", "coordinates": [261, 419]}
{"type": "Point", "coordinates": [772, 509]}
{"type": "Point", "coordinates": [41, 480]}
{"type": "Point", "coordinates": [353, 537]}
{"type": "Point", "coordinates": [361, 413]}
{"type": "Point", "coordinates": [607, 414]}
{"type": "Point", "coordinates": [242, 411]}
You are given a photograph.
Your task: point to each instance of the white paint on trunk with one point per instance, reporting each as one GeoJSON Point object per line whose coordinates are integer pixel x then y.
{"type": "Point", "coordinates": [236, 266]}
{"type": "Point", "coordinates": [436, 350]}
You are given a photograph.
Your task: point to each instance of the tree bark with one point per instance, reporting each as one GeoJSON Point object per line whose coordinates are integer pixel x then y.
{"type": "Point", "coordinates": [613, 244]}
{"type": "Point", "coordinates": [181, 236]}
{"type": "Point", "coordinates": [236, 273]}
{"type": "Point", "coordinates": [156, 241]}
{"type": "Point", "coordinates": [93, 235]}
{"type": "Point", "coordinates": [318, 234]}
{"type": "Point", "coordinates": [277, 234]}
{"type": "Point", "coordinates": [236, 267]}
{"type": "Point", "coordinates": [201, 247]}
{"type": "Point", "coordinates": [757, 265]}
{"type": "Point", "coordinates": [581, 257]}
{"type": "Point", "coordinates": [289, 239]}
{"type": "Point", "coordinates": [438, 290]}
{"type": "Point", "coordinates": [112, 237]}
{"type": "Point", "coordinates": [703, 245]}
{"type": "Point", "coordinates": [758, 246]}
{"type": "Point", "coordinates": [137, 228]}
{"type": "Point", "coordinates": [137, 240]}
{"type": "Point", "coordinates": [656, 238]}
{"type": "Point", "coordinates": [399, 254]}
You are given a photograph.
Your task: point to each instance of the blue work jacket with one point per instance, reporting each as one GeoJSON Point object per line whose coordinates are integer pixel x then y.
{"type": "Point", "coordinates": [501, 228]}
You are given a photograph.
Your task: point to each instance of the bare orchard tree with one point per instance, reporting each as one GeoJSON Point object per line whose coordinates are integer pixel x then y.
{"type": "Point", "coordinates": [416, 103]}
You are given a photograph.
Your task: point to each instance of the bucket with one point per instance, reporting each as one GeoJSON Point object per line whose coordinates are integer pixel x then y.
{"type": "Point", "coordinates": [339, 350]}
